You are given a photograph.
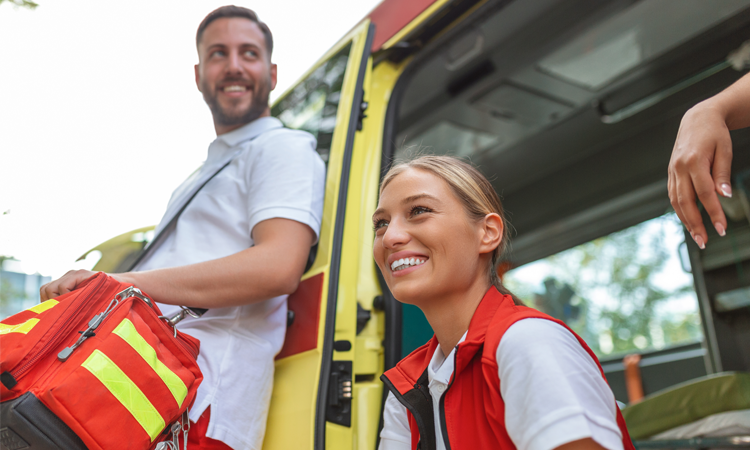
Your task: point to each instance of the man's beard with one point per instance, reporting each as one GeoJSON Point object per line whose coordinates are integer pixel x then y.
{"type": "Point", "coordinates": [223, 117]}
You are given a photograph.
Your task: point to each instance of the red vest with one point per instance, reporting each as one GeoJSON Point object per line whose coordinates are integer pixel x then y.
{"type": "Point", "coordinates": [472, 411]}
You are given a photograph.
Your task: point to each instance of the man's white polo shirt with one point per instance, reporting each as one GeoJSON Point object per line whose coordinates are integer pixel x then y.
{"type": "Point", "coordinates": [275, 173]}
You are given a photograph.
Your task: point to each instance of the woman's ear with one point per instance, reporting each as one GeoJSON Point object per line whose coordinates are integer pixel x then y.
{"type": "Point", "coordinates": [491, 233]}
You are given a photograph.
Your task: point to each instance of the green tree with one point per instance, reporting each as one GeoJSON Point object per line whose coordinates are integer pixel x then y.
{"type": "Point", "coordinates": [607, 291]}
{"type": "Point", "coordinates": [21, 3]}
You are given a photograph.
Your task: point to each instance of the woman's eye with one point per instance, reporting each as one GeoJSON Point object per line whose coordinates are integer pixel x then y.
{"type": "Point", "coordinates": [417, 210]}
{"type": "Point", "coordinates": [379, 225]}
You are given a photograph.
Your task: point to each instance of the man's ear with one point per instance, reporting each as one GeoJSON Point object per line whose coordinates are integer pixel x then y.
{"type": "Point", "coordinates": [491, 233]}
{"type": "Point", "coordinates": [198, 76]}
{"type": "Point", "coordinates": [273, 76]}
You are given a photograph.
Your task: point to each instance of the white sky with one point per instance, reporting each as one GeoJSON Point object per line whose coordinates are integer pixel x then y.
{"type": "Point", "coordinates": [100, 118]}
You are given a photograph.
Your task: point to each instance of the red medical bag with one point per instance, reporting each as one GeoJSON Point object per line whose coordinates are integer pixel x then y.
{"type": "Point", "coordinates": [95, 368]}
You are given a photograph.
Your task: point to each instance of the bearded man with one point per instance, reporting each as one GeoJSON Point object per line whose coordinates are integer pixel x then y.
{"type": "Point", "coordinates": [240, 246]}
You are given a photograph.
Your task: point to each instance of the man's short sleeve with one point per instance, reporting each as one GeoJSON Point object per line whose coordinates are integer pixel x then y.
{"type": "Point", "coordinates": [286, 180]}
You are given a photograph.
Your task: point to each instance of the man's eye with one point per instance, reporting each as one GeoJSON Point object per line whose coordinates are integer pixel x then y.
{"type": "Point", "coordinates": [219, 53]}
{"type": "Point", "coordinates": [251, 53]}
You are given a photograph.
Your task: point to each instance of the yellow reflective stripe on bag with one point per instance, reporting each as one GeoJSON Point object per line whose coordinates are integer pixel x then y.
{"type": "Point", "coordinates": [126, 392]}
{"type": "Point", "coordinates": [126, 330]}
{"type": "Point", "coordinates": [22, 328]}
{"type": "Point", "coordinates": [40, 308]}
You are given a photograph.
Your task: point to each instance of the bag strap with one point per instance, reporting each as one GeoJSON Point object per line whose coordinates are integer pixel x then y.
{"type": "Point", "coordinates": [159, 239]}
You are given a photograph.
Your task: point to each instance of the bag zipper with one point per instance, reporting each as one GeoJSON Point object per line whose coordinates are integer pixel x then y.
{"type": "Point", "coordinates": [100, 319]}
{"type": "Point", "coordinates": [58, 334]}
{"type": "Point", "coordinates": [190, 349]}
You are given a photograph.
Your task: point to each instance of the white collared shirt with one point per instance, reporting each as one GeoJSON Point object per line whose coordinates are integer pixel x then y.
{"type": "Point", "coordinates": [275, 173]}
{"type": "Point", "coordinates": [552, 389]}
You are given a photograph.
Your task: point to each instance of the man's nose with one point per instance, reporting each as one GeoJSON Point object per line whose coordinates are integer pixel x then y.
{"type": "Point", "coordinates": [233, 63]}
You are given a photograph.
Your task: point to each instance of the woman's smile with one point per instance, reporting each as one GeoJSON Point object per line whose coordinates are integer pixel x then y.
{"type": "Point", "coordinates": [405, 262]}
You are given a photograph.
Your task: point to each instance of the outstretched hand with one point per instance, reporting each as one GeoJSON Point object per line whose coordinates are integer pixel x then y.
{"type": "Point", "coordinates": [701, 167]}
{"type": "Point", "coordinates": [64, 284]}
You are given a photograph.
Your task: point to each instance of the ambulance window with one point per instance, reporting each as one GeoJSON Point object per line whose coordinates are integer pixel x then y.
{"type": "Point", "coordinates": [312, 104]}
{"type": "Point", "coordinates": [627, 292]}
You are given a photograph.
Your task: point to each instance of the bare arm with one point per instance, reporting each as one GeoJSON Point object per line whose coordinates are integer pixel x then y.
{"type": "Point", "coordinates": [582, 444]}
{"type": "Point", "coordinates": [702, 157]}
{"type": "Point", "coordinates": [272, 267]}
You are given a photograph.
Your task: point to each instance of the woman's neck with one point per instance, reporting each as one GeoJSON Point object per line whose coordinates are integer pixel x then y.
{"type": "Point", "coordinates": [450, 315]}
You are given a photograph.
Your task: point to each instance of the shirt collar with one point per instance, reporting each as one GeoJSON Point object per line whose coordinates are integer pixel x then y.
{"type": "Point", "coordinates": [441, 368]}
{"type": "Point", "coordinates": [249, 131]}
{"type": "Point", "coordinates": [226, 144]}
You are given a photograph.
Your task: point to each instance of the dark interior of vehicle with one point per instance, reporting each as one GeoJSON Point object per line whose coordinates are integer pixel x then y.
{"type": "Point", "coordinates": [571, 108]}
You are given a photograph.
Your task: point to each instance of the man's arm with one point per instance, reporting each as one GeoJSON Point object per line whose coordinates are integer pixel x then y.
{"type": "Point", "coordinates": [702, 157]}
{"type": "Point", "coordinates": [272, 267]}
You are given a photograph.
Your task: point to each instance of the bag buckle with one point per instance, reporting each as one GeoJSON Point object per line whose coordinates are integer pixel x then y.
{"type": "Point", "coordinates": [182, 424]}
{"type": "Point", "coordinates": [178, 316]}
{"type": "Point", "coordinates": [133, 291]}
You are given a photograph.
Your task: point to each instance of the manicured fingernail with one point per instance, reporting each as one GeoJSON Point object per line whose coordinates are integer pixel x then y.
{"type": "Point", "coordinates": [726, 189]}
{"type": "Point", "coordinates": [699, 241]}
{"type": "Point", "coordinates": [720, 229]}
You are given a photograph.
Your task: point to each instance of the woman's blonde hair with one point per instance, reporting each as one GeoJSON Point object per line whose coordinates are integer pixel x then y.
{"type": "Point", "coordinates": [474, 192]}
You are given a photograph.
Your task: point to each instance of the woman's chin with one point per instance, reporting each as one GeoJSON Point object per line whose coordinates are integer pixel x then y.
{"type": "Point", "coordinates": [409, 293]}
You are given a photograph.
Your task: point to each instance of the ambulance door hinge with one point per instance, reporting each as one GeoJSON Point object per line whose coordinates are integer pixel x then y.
{"type": "Point", "coordinates": [361, 116]}
{"type": "Point", "coordinates": [339, 408]}
{"type": "Point", "coordinates": [363, 316]}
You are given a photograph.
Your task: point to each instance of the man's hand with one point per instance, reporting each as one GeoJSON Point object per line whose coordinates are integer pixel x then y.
{"type": "Point", "coordinates": [64, 284]}
{"type": "Point", "coordinates": [701, 166]}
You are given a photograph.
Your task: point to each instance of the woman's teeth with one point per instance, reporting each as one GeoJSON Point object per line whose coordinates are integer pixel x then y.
{"type": "Point", "coordinates": [403, 263]}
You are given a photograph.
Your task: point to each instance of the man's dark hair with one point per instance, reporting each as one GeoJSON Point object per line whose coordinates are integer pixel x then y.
{"type": "Point", "coordinates": [235, 11]}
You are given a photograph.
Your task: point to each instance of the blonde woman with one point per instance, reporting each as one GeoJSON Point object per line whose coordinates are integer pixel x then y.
{"type": "Point", "coordinates": [496, 375]}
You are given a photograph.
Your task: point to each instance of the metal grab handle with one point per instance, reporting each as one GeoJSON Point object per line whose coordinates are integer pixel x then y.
{"type": "Point", "coordinates": [739, 59]}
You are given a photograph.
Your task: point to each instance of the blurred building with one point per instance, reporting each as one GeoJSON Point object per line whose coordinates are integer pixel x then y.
{"type": "Point", "coordinates": [19, 291]}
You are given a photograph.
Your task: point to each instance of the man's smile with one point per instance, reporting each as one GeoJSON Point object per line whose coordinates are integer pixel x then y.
{"type": "Point", "coordinates": [235, 88]}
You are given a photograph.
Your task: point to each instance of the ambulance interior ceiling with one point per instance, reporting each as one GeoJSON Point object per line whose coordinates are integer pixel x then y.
{"type": "Point", "coordinates": [525, 93]}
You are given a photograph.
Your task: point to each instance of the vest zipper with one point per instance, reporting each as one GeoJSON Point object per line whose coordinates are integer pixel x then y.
{"type": "Point", "coordinates": [417, 417]}
{"type": "Point", "coordinates": [443, 425]}
{"type": "Point", "coordinates": [59, 333]}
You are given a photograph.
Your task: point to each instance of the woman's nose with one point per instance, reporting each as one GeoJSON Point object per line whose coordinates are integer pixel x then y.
{"type": "Point", "coordinates": [395, 236]}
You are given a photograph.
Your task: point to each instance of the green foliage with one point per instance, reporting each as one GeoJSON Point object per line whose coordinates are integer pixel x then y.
{"type": "Point", "coordinates": [21, 3]}
{"type": "Point", "coordinates": [607, 290]}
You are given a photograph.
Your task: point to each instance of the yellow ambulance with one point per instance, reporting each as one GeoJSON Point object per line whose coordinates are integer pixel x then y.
{"type": "Point", "coordinates": [571, 108]}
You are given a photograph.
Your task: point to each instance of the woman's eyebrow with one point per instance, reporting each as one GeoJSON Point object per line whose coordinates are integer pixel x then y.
{"type": "Point", "coordinates": [407, 200]}
{"type": "Point", "coordinates": [413, 198]}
